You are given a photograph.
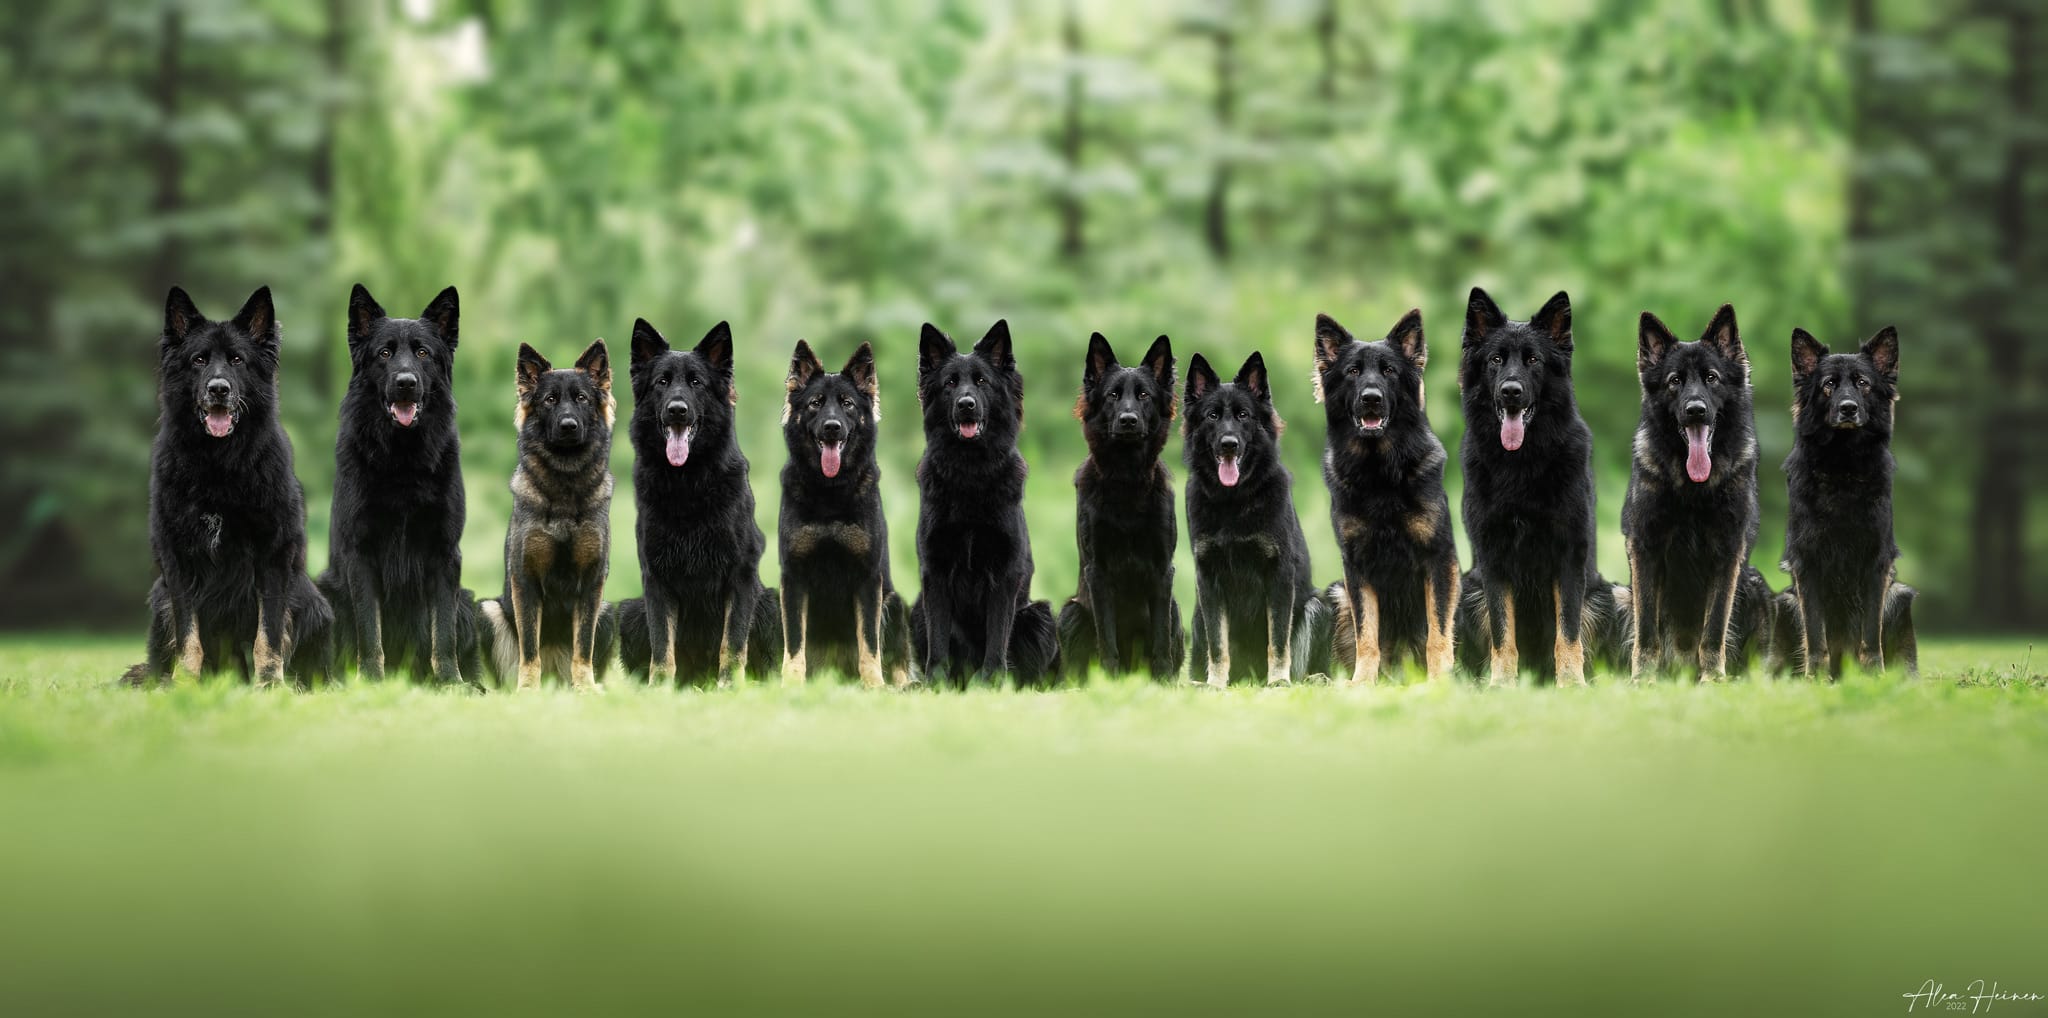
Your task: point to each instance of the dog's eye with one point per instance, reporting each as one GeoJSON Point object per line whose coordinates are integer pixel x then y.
{"type": "Point", "coordinates": [1244, 415]}
{"type": "Point", "coordinates": [200, 360]}
{"type": "Point", "coordinates": [420, 353]}
{"type": "Point", "coordinates": [1862, 382]}
{"type": "Point", "coordinates": [817, 401]}
{"type": "Point", "coordinates": [1387, 370]}
{"type": "Point", "coordinates": [695, 382]}
{"type": "Point", "coordinates": [385, 353]}
{"type": "Point", "coordinates": [1351, 371]}
{"type": "Point", "coordinates": [662, 381]}
{"type": "Point", "coordinates": [237, 359]}
{"type": "Point", "coordinates": [846, 402]}
{"type": "Point", "coordinates": [1144, 394]}
{"type": "Point", "coordinates": [1529, 359]}
{"type": "Point", "coordinates": [582, 398]}
{"type": "Point", "coordinates": [1213, 415]}
{"type": "Point", "coordinates": [1498, 359]}
{"type": "Point", "coordinates": [551, 399]}
{"type": "Point", "coordinates": [951, 382]}
{"type": "Point", "coordinates": [978, 380]}
{"type": "Point", "coordinates": [1713, 378]}
{"type": "Point", "coordinates": [1828, 386]}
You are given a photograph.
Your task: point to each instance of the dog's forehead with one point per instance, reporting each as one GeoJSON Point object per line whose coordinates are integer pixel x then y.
{"type": "Point", "coordinates": [565, 379]}
{"type": "Point", "coordinates": [676, 362]}
{"type": "Point", "coordinates": [1131, 376]}
{"type": "Point", "coordinates": [831, 384]}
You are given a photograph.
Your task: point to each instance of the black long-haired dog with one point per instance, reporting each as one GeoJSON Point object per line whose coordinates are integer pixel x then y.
{"type": "Point", "coordinates": [1256, 610]}
{"type": "Point", "coordinates": [1125, 609]}
{"type": "Point", "coordinates": [1690, 518]}
{"type": "Point", "coordinates": [974, 616]}
{"type": "Point", "coordinates": [840, 608]}
{"type": "Point", "coordinates": [552, 618]}
{"type": "Point", "coordinates": [227, 518]}
{"type": "Point", "coordinates": [705, 612]}
{"type": "Point", "coordinates": [1385, 471]}
{"type": "Point", "coordinates": [1845, 595]}
{"type": "Point", "coordinates": [394, 570]}
{"type": "Point", "coordinates": [1528, 463]}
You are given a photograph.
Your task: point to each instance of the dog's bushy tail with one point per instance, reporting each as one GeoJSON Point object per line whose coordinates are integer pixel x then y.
{"type": "Point", "coordinates": [1900, 644]}
{"type": "Point", "coordinates": [1310, 653]}
{"type": "Point", "coordinates": [1034, 645]}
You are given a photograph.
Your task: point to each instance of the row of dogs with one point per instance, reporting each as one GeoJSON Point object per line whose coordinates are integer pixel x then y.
{"type": "Point", "coordinates": [233, 592]}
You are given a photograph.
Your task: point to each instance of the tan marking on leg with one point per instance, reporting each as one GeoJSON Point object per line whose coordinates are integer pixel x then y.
{"type": "Point", "coordinates": [1506, 663]}
{"type": "Point", "coordinates": [1279, 657]}
{"type": "Point", "coordinates": [433, 643]}
{"type": "Point", "coordinates": [1219, 657]}
{"type": "Point", "coordinates": [374, 653]}
{"type": "Point", "coordinates": [663, 671]}
{"type": "Point", "coordinates": [724, 650]}
{"type": "Point", "coordinates": [1570, 654]}
{"type": "Point", "coordinates": [191, 655]}
{"type": "Point", "coordinates": [269, 668]}
{"type": "Point", "coordinates": [1365, 662]}
{"type": "Point", "coordinates": [523, 616]}
{"type": "Point", "coordinates": [582, 670]}
{"type": "Point", "coordinates": [1437, 651]}
{"type": "Point", "coordinates": [870, 661]}
{"type": "Point", "coordinates": [794, 669]}
{"type": "Point", "coordinates": [1714, 633]}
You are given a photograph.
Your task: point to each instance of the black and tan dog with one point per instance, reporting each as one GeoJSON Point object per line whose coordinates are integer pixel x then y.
{"type": "Point", "coordinates": [1690, 518]}
{"type": "Point", "coordinates": [1845, 598]}
{"type": "Point", "coordinates": [1125, 611]}
{"type": "Point", "coordinates": [552, 618]}
{"type": "Point", "coordinates": [227, 518]}
{"type": "Point", "coordinates": [395, 534]}
{"type": "Point", "coordinates": [840, 610]}
{"type": "Point", "coordinates": [1257, 613]}
{"type": "Point", "coordinates": [1385, 471]}
{"type": "Point", "coordinates": [1528, 465]}
{"type": "Point", "coordinates": [705, 612]}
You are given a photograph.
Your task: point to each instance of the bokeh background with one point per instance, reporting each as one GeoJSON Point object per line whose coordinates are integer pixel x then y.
{"type": "Point", "coordinates": [845, 171]}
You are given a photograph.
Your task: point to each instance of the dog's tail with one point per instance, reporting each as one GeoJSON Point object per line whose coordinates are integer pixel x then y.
{"type": "Point", "coordinates": [1899, 642]}
{"type": "Point", "coordinates": [897, 659]}
{"type": "Point", "coordinates": [499, 639]}
{"type": "Point", "coordinates": [312, 634]}
{"type": "Point", "coordinates": [1607, 623]}
{"type": "Point", "coordinates": [764, 634]}
{"type": "Point", "coordinates": [1473, 641]}
{"type": "Point", "coordinates": [1310, 653]}
{"type": "Point", "coordinates": [636, 647]}
{"type": "Point", "coordinates": [1077, 640]}
{"type": "Point", "coordinates": [1336, 600]}
{"type": "Point", "coordinates": [1784, 643]}
{"type": "Point", "coordinates": [1034, 645]}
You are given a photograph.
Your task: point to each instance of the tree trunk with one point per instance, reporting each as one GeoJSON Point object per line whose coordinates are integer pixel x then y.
{"type": "Point", "coordinates": [167, 160]}
{"type": "Point", "coordinates": [334, 58]}
{"type": "Point", "coordinates": [1073, 214]}
{"type": "Point", "coordinates": [1326, 30]}
{"type": "Point", "coordinates": [1216, 213]}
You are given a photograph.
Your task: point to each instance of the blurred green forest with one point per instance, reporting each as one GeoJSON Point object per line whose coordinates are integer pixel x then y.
{"type": "Point", "coordinates": [1217, 171]}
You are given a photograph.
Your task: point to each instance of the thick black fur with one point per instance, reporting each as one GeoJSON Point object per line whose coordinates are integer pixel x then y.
{"type": "Point", "coordinates": [394, 571]}
{"type": "Point", "coordinates": [1690, 518]}
{"type": "Point", "coordinates": [1125, 611]}
{"type": "Point", "coordinates": [227, 518]}
{"type": "Point", "coordinates": [974, 617]}
{"type": "Point", "coordinates": [1529, 510]}
{"type": "Point", "coordinates": [1838, 527]}
{"type": "Point", "coordinates": [558, 543]}
{"type": "Point", "coordinates": [841, 612]}
{"type": "Point", "coordinates": [705, 614]}
{"type": "Point", "coordinates": [1385, 470]}
{"type": "Point", "coordinates": [1251, 560]}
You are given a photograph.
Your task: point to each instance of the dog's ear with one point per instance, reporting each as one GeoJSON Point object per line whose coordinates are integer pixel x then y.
{"type": "Point", "coordinates": [861, 368]}
{"type": "Point", "coordinates": [1202, 379]}
{"type": "Point", "coordinates": [1555, 320]}
{"type": "Point", "coordinates": [181, 316]}
{"type": "Point", "coordinates": [1406, 336]}
{"type": "Point", "coordinates": [1653, 341]}
{"type": "Point", "coordinates": [1253, 376]}
{"type": "Point", "coordinates": [1883, 351]}
{"type": "Point", "coordinates": [1101, 361]}
{"type": "Point", "coordinates": [258, 319]}
{"type": "Point", "coordinates": [1806, 353]}
{"type": "Point", "coordinates": [716, 347]}
{"type": "Point", "coordinates": [445, 315]}
{"type": "Point", "coordinates": [597, 364]}
{"type": "Point", "coordinates": [996, 345]}
{"type": "Point", "coordinates": [363, 312]}
{"type": "Point", "coordinates": [647, 343]}
{"type": "Point", "coordinates": [1482, 316]}
{"type": "Point", "coordinates": [1331, 338]}
{"type": "Point", "coordinates": [1159, 361]}
{"type": "Point", "coordinates": [1724, 338]}
{"type": "Point", "coordinates": [531, 366]}
{"type": "Point", "coordinates": [933, 349]}
{"type": "Point", "coordinates": [803, 366]}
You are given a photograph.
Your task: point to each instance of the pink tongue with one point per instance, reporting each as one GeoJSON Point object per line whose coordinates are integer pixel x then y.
{"type": "Point", "coordinates": [970, 430]}
{"type": "Point", "coordinates": [828, 459]}
{"type": "Point", "coordinates": [678, 446]}
{"type": "Point", "coordinates": [1226, 471]}
{"type": "Point", "coordinates": [404, 413]}
{"type": "Point", "coordinates": [1698, 465]}
{"type": "Point", "coordinates": [1511, 431]}
{"type": "Point", "coordinates": [219, 424]}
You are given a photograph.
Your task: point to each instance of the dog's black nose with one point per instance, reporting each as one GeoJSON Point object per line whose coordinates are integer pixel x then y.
{"type": "Point", "coordinates": [1229, 444]}
{"type": "Point", "coordinates": [1371, 399]}
{"type": "Point", "coordinates": [1696, 410]}
{"type": "Point", "coordinates": [966, 403]}
{"type": "Point", "coordinates": [1848, 408]}
{"type": "Point", "coordinates": [678, 408]}
{"type": "Point", "coordinates": [219, 388]}
{"type": "Point", "coordinates": [571, 425]}
{"type": "Point", "coordinates": [1127, 420]}
{"type": "Point", "coordinates": [406, 382]}
{"type": "Point", "coordinates": [1511, 390]}
{"type": "Point", "coordinates": [832, 431]}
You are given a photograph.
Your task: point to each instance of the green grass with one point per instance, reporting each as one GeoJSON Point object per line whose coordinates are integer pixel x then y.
{"type": "Point", "coordinates": [1779, 848]}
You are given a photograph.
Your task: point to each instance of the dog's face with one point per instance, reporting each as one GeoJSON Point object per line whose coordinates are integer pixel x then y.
{"type": "Point", "coordinates": [828, 417]}
{"type": "Point", "coordinates": [1232, 429]}
{"type": "Point", "coordinates": [1845, 391]}
{"type": "Point", "coordinates": [1515, 373]}
{"type": "Point", "coordinates": [216, 373]}
{"type": "Point", "coordinates": [405, 362]}
{"type": "Point", "coordinates": [682, 397]}
{"type": "Point", "coordinates": [1366, 387]}
{"type": "Point", "coordinates": [1691, 389]}
{"type": "Point", "coordinates": [972, 397]}
{"type": "Point", "coordinates": [569, 410]}
{"type": "Point", "coordinates": [1126, 406]}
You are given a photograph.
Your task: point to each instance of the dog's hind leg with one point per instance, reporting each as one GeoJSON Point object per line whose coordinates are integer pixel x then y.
{"type": "Point", "coordinates": [1643, 588]}
{"type": "Point", "coordinates": [738, 622]}
{"type": "Point", "coordinates": [1439, 599]}
{"type": "Point", "coordinates": [867, 634]}
{"type": "Point", "coordinates": [794, 610]}
{"type": "Point", "coordinates": [1812, 624]}
{"type": "Point", "coordinates": [526, 625]}
{"type": "Point", "coordinates": [1870, 642]}
{"type": "Point", "coordinates": [1365, 628]}
{"type": "Point", "coordinates": [583, 645]}
{"type": "Point", "coordinates": [266, 653]}
{"type": "Point", "coordinates": [1504, 668]}
{"type": "Point", "coordinates": [366, 608]}
{"type": "Point", "coordinates": [1568, 633]}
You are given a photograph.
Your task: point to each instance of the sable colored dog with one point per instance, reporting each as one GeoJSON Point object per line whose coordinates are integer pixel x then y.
{"type": "Point", "coordinates": [974, 616]}
{"type": "Point", "coordinates": [1385, 471]}
{"type": "Point", "coordinates": [705, 612]}
{"type": "Point", "coordinates": [840, 609]}
{"type": "Point", "coordinates": [1256, 610]}
{"type": "Point", "coordinates": [1528, 468]}
{"type": "Point", "coordinates": [394, 570]}
{"type": "Point", "coordinates": [1690, 518]}
{"type": "Point", "coordinates": [227, 518]}
{"type": "Point", "coordinates": [552, 618]}
{"type": "Point", "coordinates": [1125, 610]}
{"type": "Point", "coordinates": [1845, 597]}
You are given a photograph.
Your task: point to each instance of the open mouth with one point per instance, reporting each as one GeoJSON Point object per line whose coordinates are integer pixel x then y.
{"type": "Point", "coordinates": [828, 457]}
{"type": "Point", "coordinates": [679, 445]}
{"type": "Point", "coordinates": [1226, 470]}
{"type": "Point", "coordinates": [1699, 463]}
{"type": "Point", "coordinates": [403, 414]}
{"type": "Point", "coordinates": [968, 429]}
{"type": "Point", "coordinates": [1372, 424]}
{"type": "Point", "coordinates": [220, 420]}
{"type": "Point", "coordinates": [1514, 426]}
